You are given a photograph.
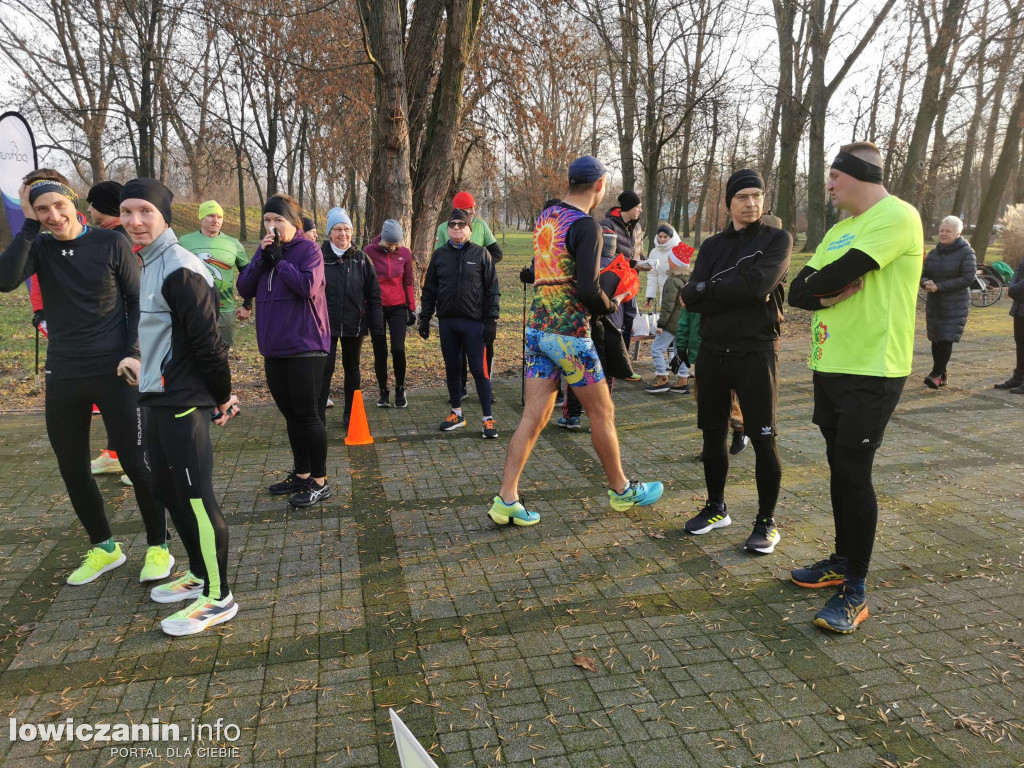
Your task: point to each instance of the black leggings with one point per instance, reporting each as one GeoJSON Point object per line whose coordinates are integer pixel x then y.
{"type": "Point", "coordinates": [854, 504]}
{"type": "Point", "coordinates": [68, 421]}
{"type": "Point", "coordinates": [394, 319]}
{"type": "Point", "coordinates": [489, 345]}
{"type": "Point", "coordinates": [460, 335]}
{"type": "Point", "coordinates": [941, 352]}
{"type": "Point", "coordinates": [767, 469]}
{"type": "Point", "coordinates": [351, 350]}
{"type": "Point", "coordinates": [1018, 339]}
{"type": "Point", "coordinates": [178, 444]}
{"type": "Point", "coordinates": [295, 384]}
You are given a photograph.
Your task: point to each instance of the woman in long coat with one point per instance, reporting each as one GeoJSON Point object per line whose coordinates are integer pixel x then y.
{"type": "Point", "coordinates": [949, 270]}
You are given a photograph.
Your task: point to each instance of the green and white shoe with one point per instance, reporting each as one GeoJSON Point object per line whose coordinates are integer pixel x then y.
{"type": "Point", "coordinates": [159, 562]}
{"type": "Point", "coordinates": [97, 562]}
{"type": "Point", "coordinates": [204, 612]}
{"type": "Point", "coordinates": [515, 513]}
{"type": "Point", "coordinates": [188, 587]}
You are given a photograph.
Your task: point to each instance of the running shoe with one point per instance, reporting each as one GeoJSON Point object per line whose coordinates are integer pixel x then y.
{"type": "Point", "coordinates": [125, 480]}
{"type": "Point", "coordinates": [764, 537]}
{"type": "Point", "coordinates": [843, 612]}
{"type": "Point", "coordinates": [829, 572]}
{"type": "Point", "coordinates": [1013, 382]}
{"type": "Point", "coordinates": [454, 421]}
{"type": "Point", "coordinates": [97, 562]}
{"type": "Point", "coordinates": [490, 432]}
{"type": "Point", "coordinates": [106, 463]}
{"type": "Point", "coordinates": [291, 484]}
{"type": "Point", "coordinates": [383, 401]}
{"type": "Point", "coordinates": [714, 515]}
{"type": "Point", "coordinates": [559, 399]}
{"type": "Point", "coordinates": [633, 377]}
{"type": "Point", "coordinates": [933, 382]}
{"type": "Point", "coordinates": [188, 587]}
{"type": "Point", "coordinates": [680, 389]}
{"type": "Point", "coordinates": [159, 562]}
{"type": "Point", "coordinates": [573, 422]}
{"type": "Point", "coordinates": [739, 442]}
{"type": "Point", "coordinates": [330, 403]}
{"type": "Point", "coordinates": [640, 494]}
{"type": "Point", "coordinates": [400, 399]}
{"type": "Point", "coordinates": [515, 513]}
{"type": "Point", "coordinates": [311, 493]}
{"type": "Point", "coordinates": [204, 612]}
{"type": "Point", "coordinates": [95, 410]}
{"type": "Point", "coordinates": [658, 386]}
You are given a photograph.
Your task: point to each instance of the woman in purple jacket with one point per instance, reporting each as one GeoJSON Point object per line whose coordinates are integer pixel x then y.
{"type": "Point", "coordinates": [286, 277]}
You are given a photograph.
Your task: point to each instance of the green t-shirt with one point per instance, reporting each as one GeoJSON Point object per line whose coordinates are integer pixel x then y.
{"type": "Point", "coordinates": [872, 332]}
{"type": "Point", "coordinates": [480, 233]}
{"type": "Point", "coordinates": [222, 255]}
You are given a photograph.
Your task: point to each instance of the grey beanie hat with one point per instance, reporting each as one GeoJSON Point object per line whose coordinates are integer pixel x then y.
{"type": "Point", "coordinates": [391, 232]}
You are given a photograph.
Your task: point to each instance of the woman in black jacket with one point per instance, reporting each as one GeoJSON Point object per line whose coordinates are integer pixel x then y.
{"type": "Point", "coordinates": [462, 287]}
{"type": "Point", "coordinates": [1016, 291]}
{"type": "Point", "coordinates": [353, 306]}
{"type": "Point", "coordinates": [949, 270]}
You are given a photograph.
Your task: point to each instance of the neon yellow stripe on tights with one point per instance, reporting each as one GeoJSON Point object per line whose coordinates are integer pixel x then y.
{"type": "Point", "coordinates": [186, 413]}
{"type": "Point", "coordinates": [208, 547]}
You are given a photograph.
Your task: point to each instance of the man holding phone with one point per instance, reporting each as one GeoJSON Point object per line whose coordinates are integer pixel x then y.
{"type": "Point", "coordinates": [184, 377]}
{"type": "Point", "coordinates": [89, 280]}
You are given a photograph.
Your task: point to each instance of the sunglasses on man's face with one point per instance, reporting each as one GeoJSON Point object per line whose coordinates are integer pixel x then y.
{"type": "Point", "coordinates": [457, 225]}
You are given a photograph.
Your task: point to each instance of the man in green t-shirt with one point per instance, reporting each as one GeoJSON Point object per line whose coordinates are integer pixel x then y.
{"type": "Point", "coordinates": [222, 255]}
{"type": "Point", "coordinates": [480, 234]}
{"type": "Point", "coordinates": [861, 285]}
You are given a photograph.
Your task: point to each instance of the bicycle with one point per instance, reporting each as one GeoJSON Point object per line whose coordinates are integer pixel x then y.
{"type": "Point", "coordinates": [986, 289]}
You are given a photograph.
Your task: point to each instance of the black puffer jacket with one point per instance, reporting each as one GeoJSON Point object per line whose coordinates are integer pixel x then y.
{"type": "Point", "coordinates": [1016, 291]}
{"type": "Point", "coordinates": [952, 268]}
{"type": "Point", "coordinates": [460, 282]}
{"type": "Point", "coordinates": [353, 293]}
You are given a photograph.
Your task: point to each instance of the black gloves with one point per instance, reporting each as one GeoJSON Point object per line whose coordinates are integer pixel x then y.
{"type": "Point", "coordinates": [272, 252]}
{"type": "Point", "coordinates": [425, 328]}
{"type": "Point", "coordinates": [526, 275]}
{"type": "Point", "coordinates": [410, 317]}
{"type": "Point", "coordinates": [38, 317]}
{"type": "Point", "coordinates": [490, 330]}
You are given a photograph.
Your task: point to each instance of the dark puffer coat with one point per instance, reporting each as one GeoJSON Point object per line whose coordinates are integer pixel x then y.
{"type": "Point", "coordinates": [1016, 291]}
{"type": "Point", "coordinates": [952, 268]}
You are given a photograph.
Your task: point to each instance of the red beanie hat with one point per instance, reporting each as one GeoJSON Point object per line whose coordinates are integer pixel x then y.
{"type": "Point", "coordinates": [463, 200]}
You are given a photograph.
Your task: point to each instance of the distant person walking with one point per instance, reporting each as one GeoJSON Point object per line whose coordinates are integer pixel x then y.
{"type": "Point", "coordinates": [393, 263]}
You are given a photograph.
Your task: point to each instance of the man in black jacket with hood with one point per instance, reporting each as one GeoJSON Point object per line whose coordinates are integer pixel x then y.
{"type": "Point", "coordinates": [737, 288]}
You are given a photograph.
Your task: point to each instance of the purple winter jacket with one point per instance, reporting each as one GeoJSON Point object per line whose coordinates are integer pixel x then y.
{"type": "Point", "coordinates": [291, 305]}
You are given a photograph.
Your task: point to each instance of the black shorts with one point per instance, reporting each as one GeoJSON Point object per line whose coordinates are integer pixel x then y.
{"type": "Point", "coordinates": [856, 407]}
{"type": "Point", "coordinates": [755, 378]}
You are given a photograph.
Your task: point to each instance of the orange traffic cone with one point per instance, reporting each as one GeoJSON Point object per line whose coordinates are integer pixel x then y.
{"type": "Point", "coordinates": [358, 429]}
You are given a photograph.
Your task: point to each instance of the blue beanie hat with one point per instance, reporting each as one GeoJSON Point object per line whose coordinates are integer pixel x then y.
{"type": "Point", "coordinates": [337, 216]}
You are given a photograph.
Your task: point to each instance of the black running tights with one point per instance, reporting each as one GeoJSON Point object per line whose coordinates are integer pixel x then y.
{"type": "Point", "coordinates": [767, 469]}
{"type": "Point", "coordinates": [854, 504]}
{"type": "Point", "coordinates": [351, 351]}
{"type": "Point", "coordinates": [941, 352]}
{"type": "Point", "coordinates": [395, 322]}
{"type": "Point", "coordinates": [295, 383]}
{"type": "Point", "coordinates": [68, 421]}
{"type": "Point", "coordinates": [178, 444]}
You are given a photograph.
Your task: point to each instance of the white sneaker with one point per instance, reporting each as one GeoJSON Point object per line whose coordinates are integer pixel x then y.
{"type": "Point", "coordinates": [188, 587]}
{"type": "Point", "coordinates": [125, 480]}
{"type": "Point", "coordinates": [105, 464]}
{"type": "Point", "coordinates": [204, 612]}
{"type": "Point", "coordinates": [330, 403]}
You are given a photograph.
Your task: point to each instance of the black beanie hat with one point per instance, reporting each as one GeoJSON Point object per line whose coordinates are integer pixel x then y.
{"type": "Point", "coordinates": [307, 224]}
{"type": "Point", "coordinates": [629, 200]}
{"type": "Point", "coordinates": [105, 197]}
{"type": "Point", "coordinates": [745, 178]}
{"type": "Point", "coordinates": [459, 214]}
{"type": "Point", "coordinates": [666, 229]}
{"type": "Point", "coordinates": [151, 191]}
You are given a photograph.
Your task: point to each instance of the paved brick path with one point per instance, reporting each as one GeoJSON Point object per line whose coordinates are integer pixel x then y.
{"type": "Point", "coordinates": [400, 592]}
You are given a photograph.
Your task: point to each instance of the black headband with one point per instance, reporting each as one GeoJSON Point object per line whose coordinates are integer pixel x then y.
{"type": "Point", "coordinates": [281, 207]}
{"type": "Point", "coordinates": [40, 188]}
{"type": "Point", "coordinates": [153, 192]}
{"type": "Point", "coordinates": [861, 170]}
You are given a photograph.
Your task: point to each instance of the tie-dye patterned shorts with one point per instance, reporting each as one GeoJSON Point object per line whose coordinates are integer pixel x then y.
{"type": "Point", "coordinates": [550, 355]}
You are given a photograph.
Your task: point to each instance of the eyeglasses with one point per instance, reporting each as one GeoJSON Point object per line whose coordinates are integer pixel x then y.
{"type": "Point", "coordinates": [457, 225]}
{"type": "Point", "coordinates": [755, 197]}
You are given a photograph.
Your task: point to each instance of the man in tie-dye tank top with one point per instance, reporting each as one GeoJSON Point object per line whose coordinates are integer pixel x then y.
{"type": "Point", "coordinates": [566, 256]}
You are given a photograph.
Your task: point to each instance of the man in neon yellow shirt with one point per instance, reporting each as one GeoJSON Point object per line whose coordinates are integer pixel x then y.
{"type": "Point", "coordinates": [222, 255]}
{"type": "Point", "coordinates": [861, 284]}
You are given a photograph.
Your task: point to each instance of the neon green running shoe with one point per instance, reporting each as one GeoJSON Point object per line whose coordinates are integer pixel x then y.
{"type": "Point", "coordinates": [503, 513]}
{"type": "Point", "coordinates": [188, 587]}
{"type": "Point", "coordinates": [158, 564]}
{"type": "Point", "coordinates": [203, 613]}
{"type": "Point", "coordinates": [97, 562]}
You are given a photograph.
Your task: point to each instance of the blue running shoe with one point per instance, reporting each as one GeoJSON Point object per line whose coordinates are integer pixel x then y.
{"type": "Point", "coordinates": [830, 572]}
{"type": "Point", "coordinates": [516, 513]}
{"type": "Point", "coordinates": [640, 494]}
{"type": "Point", "coordinates": [843, 613]}
{"type": "Point", "coordinates": [573, 422]}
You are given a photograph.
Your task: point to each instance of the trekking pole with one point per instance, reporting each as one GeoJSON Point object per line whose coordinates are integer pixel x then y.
{"type": "Point", "coordinates": [37, 359]}
{"type": "Point", "coordinates": [522, 388]}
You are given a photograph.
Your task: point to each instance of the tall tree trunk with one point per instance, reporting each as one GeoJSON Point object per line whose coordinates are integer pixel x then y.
{"type": "Point", "coordinates": [709, 168]}
{"type": "Point", "coordinates": [989, 209]}
{"type": "Point", "coordinates": [931, 192]}
{"type": "Point", "coordinates": [888, 166]}
{"type": "Point", "coordinates": [910, 183]}
{"type": "Point", "coordinates": [243, 233]}
{"type": "Point", "coordinates": [630, 26]}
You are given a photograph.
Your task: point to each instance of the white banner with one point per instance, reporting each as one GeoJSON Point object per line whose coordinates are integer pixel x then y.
{"type": "Point", "coordinates": [17, 155]}
{"type": "Point", "coordinates": [410, 752]}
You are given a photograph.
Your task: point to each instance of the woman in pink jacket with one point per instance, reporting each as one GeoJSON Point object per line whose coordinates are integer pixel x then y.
{"type": "Point", "coordinates": [393, 263]}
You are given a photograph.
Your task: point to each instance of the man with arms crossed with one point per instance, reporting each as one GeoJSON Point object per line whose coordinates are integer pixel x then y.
{"type": "Point", "coordinates": [861, 285]}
